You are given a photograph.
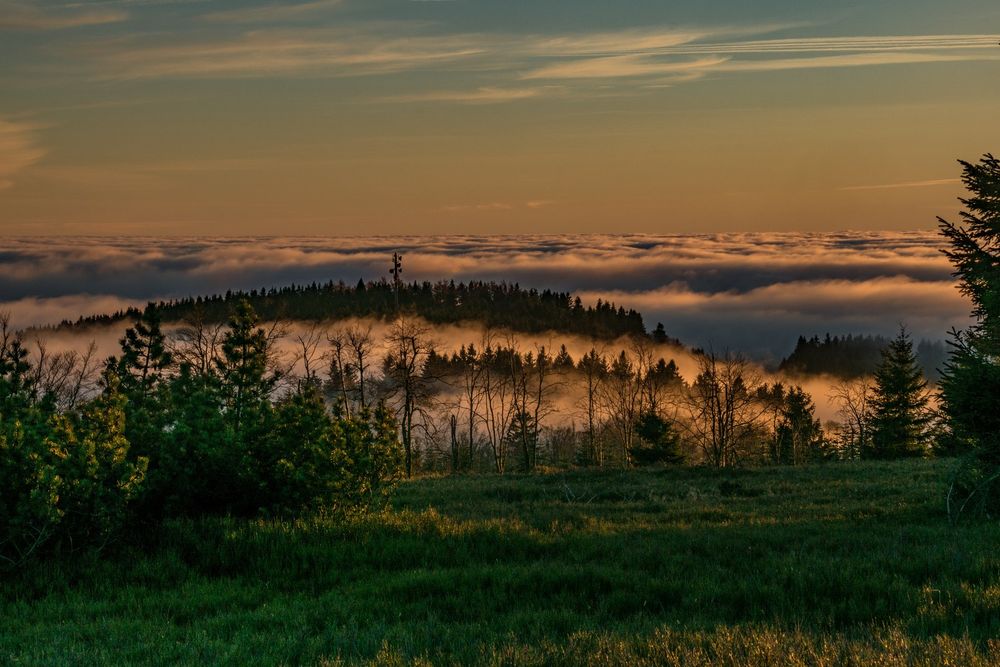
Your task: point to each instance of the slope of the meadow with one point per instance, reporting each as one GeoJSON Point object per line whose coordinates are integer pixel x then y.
{"type": "Point", "coordinates": [834, 564]}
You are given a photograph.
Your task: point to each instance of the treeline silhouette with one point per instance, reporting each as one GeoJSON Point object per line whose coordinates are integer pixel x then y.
{"type": "Point", "coordinates": [494, 304]}
{"type": "Point", "coordinates": [849, 357]}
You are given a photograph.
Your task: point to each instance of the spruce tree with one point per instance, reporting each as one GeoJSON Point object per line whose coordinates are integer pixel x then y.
{"type": "Point", "coordinates": [970, 384]}
{"type": "Point", "coordinates": [145, 357]}
{"type": "Point", "coordinates": [659, 441]}
{"type": "Point", "coordinates": [245, 381]}
{"type": "Point", "coordinates": [900, 416]}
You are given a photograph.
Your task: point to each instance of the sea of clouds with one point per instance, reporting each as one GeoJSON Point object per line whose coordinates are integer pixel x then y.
{"type": "Point", "coordinates": [752, 292]}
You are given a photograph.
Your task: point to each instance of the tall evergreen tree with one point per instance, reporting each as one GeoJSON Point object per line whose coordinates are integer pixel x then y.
{"type": "Point", "coordinates": [246, 382]}
{"type": "Point", "coordinates": [140, 372]}
{"type": "Point", "coordinates": [900, 416]}
{"type": "Point", "coordinates": [970, 386]}
{"type": "Point", "coordinates": [16, 387]}
{"type": "Point", "coordinates": [971, 383]}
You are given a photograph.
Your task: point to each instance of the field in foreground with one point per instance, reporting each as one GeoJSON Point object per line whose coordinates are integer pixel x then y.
{"type": "Point", "coordinates": [837, 564]}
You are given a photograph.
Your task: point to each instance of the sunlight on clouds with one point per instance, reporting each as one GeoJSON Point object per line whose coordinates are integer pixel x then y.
{"type": "Point", "coordinates": [269, 52]}
{"type": "Point", "coordinates": [755, 292]}
{"type": "Point", "coordinates": [268, 13]}
{"type": "Point", "coordinates": [26, 16]}
{"type": "Point", "coordinates": [484, 95]}
{"type": "Point", "coordinates": [619, 66]}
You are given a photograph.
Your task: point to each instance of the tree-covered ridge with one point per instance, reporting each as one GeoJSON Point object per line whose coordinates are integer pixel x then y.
{"type": "Point", "coordinates": [851, 356]}
{"type": "Point", "coordinates": [503, 305]}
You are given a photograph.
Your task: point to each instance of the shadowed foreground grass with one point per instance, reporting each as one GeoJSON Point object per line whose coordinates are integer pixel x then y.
{"type": "Point", "coordinates": [826, 565]}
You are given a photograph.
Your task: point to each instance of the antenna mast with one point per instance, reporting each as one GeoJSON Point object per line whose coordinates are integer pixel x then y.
{"type": "Point", "coordinates": [397, 268]}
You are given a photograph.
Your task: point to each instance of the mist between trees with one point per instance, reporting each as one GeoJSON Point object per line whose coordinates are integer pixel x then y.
{"type": "Point", "coordinates": [473, 398]}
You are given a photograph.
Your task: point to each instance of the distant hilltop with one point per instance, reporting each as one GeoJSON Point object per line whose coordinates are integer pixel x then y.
{"type": "Point", "coordinates": [494, 304]}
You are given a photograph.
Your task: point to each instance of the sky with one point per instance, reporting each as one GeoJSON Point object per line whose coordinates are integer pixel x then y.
{"type": "Point", "coordinates": [748, 292]}
{"type": "Point", "coordinates": [436, 117]}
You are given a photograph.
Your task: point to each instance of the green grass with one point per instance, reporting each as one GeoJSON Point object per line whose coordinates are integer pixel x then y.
{"type": "Point", "coordinates": [838, 564]}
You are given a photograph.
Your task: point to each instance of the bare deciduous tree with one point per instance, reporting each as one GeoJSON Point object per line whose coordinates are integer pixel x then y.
{"type": "Point", "coordinates": [308, 352]}
{"type": "Point", "coordinates": [361, 343]}
{"type": "Point", "coordinates": [853, 398]}
{"type": "Point", "coordinates": [408, 346]}
{"type": "Point", "coordinates": [622, 401]}
{"type": "Point", "coordinates": [593, 367]}
{"type": "Point", "coordinates": [497, 405]}
{"type": "Point", "coordinates": [340, 376]}
{"type": "Point", "coordinates": [197, 343]}
{"type": "Point", "coordinates": [533, 382]}
{"type": "Point", "coordinates": [471, 394]}
{"type": "Point", "coordinates": [723, 409]}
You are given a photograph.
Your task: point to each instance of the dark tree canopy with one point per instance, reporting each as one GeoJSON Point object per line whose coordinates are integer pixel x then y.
{"type": "Point", "coordinates": [502, 305]}
{"type": "Point", "coordinates": [851, 356]}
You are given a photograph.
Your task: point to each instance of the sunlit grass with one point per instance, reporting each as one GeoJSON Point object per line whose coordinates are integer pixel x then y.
{"type": "Point", "coordinates": [837, 564]}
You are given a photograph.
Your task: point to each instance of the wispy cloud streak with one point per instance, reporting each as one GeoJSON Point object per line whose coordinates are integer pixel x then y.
{"type": "Point", "coordinates": [18, 150]}
{"type": "Point", "coordinates": [25, 16]}
{"type": "Point", "coordinates": [908, 184]}
{"type": "Point", "coordinates": [362, 49]}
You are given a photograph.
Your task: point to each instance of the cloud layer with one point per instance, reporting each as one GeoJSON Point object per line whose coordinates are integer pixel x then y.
{"type": "Point", "coordinates": [754, 292]}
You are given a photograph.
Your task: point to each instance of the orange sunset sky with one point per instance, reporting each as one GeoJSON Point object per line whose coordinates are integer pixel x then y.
{"type": "Point", "coordinates": [334, 117]}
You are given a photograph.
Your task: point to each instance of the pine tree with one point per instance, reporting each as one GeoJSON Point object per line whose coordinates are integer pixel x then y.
{"type": "Point", "coordinates": [198, 468]}
{"type": "Point", "coordinates": [970, 384]}
{"type": "Point", "coordinates": [145, 357]}
{"type": "Point", "coordinates": [658, 442]}
{"type": "Point", "coordinates": [799, 434]}
{"type": "Point", "coordinates": [140, 371]}
{"type": "Point", "coordinates": [303, 472]}
{"type": "Point", "coordinates": [245, 383]}
{"type": "Point", "coordinates": [16, 387]}
{"type": "Point", "coordinates": [900, 416]}
{"type": "Point", "coordinates": [243, 371]}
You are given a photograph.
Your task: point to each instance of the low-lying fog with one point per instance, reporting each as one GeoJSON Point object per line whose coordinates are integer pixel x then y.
{"type": "Point", "coordinates": [751, 292]}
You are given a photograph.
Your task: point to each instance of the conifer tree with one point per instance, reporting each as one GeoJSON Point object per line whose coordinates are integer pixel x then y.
{"type": "Point", "coordinates": [197, 470]}
{"type": "Point", "coordinates": [799, 434]}
{"type": "Point", "coordinates": [15, 379]}
{"type": "Point", "coordinates": [140, 372]}
{"type": "Point", "coordinates": [970, 385]}
{"type": "Point", "coordinates": [246, 383]}
{"type": "Point", "coordinates": [658, 442]}
{"type": "Point", "coordinates": [145, 357]}
{"type": "Point", "coordinates": [304, 470]}
{"type": "Point", "coordinates": [900, 416]}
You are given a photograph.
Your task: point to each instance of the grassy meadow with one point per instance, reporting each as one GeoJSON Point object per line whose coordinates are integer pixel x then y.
{"type": "Point", "coordinates": [826, 565]}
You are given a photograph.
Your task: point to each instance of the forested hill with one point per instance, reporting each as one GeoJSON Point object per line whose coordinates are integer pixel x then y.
{"type": "Point", "coordinates": [495, 304]}
{"type": "Point", "coordinates": [853, 356]}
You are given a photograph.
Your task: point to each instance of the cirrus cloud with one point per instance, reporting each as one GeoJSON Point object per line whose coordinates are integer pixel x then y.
{"type": "Point", "coordinates": [18, 149]}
